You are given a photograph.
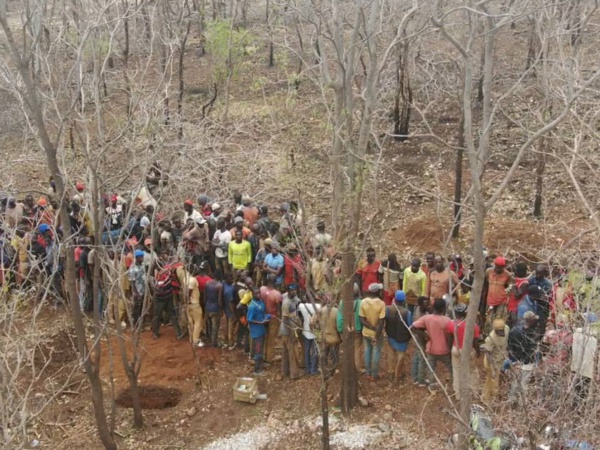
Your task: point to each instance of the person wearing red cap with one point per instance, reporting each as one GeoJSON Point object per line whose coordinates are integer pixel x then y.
{"type": "Point", "coordinates": [80, 186]}
{"type": "Point", "coordinates": [191, 213]}
{"type": "Point", "coordinates": [498, 280]}
{"type": "Point", "coordinates": [114, 214]}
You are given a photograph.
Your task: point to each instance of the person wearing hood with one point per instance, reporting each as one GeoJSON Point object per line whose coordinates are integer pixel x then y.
{"type": "Point", "coordinates": [14, 212]}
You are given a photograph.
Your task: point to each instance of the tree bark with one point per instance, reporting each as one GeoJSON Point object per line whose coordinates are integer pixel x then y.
{"type": "Point", "coordinates": [458, 170]}
{"type": "Point", "coordinates": [349, 392]}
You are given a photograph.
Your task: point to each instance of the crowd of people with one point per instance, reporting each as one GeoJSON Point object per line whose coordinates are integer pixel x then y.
{"type": "Point", "coordinates": [237, 278]}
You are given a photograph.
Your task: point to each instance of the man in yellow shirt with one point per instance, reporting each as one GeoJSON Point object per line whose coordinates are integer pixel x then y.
{"type": "Point", "coordinates": [240, 252]}
{"type": "Point", "coordinates": [414, 283]}
{"type": "Point", "coordinates": [372, 317]}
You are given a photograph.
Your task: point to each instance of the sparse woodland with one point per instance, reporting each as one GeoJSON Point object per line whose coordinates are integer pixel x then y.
{"type": "Point", "coordinates": [425, 125]}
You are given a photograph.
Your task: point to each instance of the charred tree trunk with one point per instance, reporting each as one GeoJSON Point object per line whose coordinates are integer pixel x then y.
{"type": "Point", "coordinates": [349, 392]}
{"type": "Point", "coordinates": [181, 82]}
{"type": "Point", "coordinates": [403, 97]}
{"type": "Point", "coordinates": [458, 170]}
{"type": "Point", "coordinates": [540, 171]}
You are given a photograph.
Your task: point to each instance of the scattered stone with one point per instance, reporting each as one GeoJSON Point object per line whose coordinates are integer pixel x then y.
{"type": "Point", "coordinates": [388, 407]}
{"type": "Point", "coordinates": [191, 412]}
{"type": "Point", "coordinates": [278, 377]}
{"type": "Point", "coordinates": [363, 401]}
{"type": "Point", "coordinates": [383, 427]}
{"type": "Point", "coordinates": [388, 417]}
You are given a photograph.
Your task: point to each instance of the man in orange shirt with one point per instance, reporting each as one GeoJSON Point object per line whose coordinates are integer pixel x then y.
{"type": "Point", "coordinates": [498, 280]}
{"type": "Point", "coordinates": [439, 279]}
{"type": "Point", "coordinates": [368, 272]}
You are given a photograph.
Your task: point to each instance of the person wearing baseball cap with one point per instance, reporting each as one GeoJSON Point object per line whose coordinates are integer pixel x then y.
{"type": "Point", "coordinates": [190, 213]}
{"type": "Point", "coordinates": [498, 279]}
{"type": "Point", "coordinates": [372, 317]}
{"type": "Point", "coordinates": [398, 320]}
{"type": "Point", "coordinates": [114, 214]}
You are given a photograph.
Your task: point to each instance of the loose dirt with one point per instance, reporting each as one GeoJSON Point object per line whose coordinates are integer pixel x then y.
{"type": "Point", "coordinates": [151, 397]}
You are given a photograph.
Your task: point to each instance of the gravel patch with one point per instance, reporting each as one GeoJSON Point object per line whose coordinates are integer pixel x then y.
{"type": "Point", "coordinates": [254, 439]}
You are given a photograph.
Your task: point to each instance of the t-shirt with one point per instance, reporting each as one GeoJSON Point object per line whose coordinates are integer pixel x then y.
{"type": "Point", "coordinates": [194, 215]}
{"type": "Point", "coordinates": [137, 276]}
{"type": "Point", "coordinates": [513, 300]}
{"type": "Point", "coordinates": [275, 262]}
{"type": "Point", "coordinates": [271, 298]}
{"type": "Point", "coordinates": [438, 283]}
{"type": "Point", "coordinates": [307, 310]}
{"type": "Point", "coordinates": [202, 280]}
{"type": "Point", "coordinates": [293, 268]}
{"type": "Point", "coordinates": [435, 325]}
{"type": "Point", "coordinates": [372, 309]}
{"type": "Point", "coordinates": [497, 283]}
{"type": "Point", "coordinates": [223, 238]}
{"type": "Point", "coordinates": [369, 274]}
{"type": "Point", "coordinates": [585, 349]}
{"type": "Point", "coordinates": [192, 284]}
{"type": "Point", "coordinates": [460, 331]}
{"type": "Point", "coordinates": [414, 285]}
{"type": "Point", "coordinates": [289, 315]}
{"type": "Point", "coordinates": [240, 254]}
{"type": "Point", "coordinates": [256, 313]}
{"type": "Point", "coordinates": [211, 300]}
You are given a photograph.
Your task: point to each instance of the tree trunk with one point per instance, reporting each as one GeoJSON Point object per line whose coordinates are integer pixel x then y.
{"type": "Point", "coordinates": [32, 99]}
{"type": "Point", "coordinates": [181, 81]}
{"type": "Point", "coordinates": [458, 169]}
{"type": "Point", "coordinates": [539, 180]}
{"type": "Point", "coordinates": [403, 97]}
{"type": "Point", "coordinates": [349, 392]}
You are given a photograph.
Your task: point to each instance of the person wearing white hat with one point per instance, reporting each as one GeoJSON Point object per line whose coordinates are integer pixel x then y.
{"type": "Point", "coordinates": [372, 317]}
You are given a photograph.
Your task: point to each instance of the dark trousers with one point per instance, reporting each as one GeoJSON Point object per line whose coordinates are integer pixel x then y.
{"type": "Point", "coordinates": [214, 320]}
{"type": "Point", "coordinates": [138, 304]}
{"type": "Point", "coordinates": [310, 356]}
{"type": "Point", "coordinates": [258, 345]}
{"type": "Point", "coordinates": [160, 306]}
{"type": "Point", "coordinates": [243, 335]}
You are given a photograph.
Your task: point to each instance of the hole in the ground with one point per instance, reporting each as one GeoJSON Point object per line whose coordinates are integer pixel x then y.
{"type": "Point", "coordinates": [151, 397]}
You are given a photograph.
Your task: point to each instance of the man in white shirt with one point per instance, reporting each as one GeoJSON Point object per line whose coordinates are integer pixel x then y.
{"type": "Point", "coordinates": [584, 359]}
{"type": "Point", "coordinates": [220, 243]}
{"type": "Point", "coordinates": [307, 310]}
{"type": "Point", "coordinates": [190, 213]}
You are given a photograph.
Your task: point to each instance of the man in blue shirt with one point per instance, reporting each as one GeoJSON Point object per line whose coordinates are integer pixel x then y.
{"type": "Point", "coordinates": [540, 280]}
{"type": "Point", "coordinates": [529, 302]}
{"type": "Point", "coordinates": [257, 318]}
{"type": "Point", "coordinates": [274, 263]}
{"type": "Point", "coordinates": [229, 309]}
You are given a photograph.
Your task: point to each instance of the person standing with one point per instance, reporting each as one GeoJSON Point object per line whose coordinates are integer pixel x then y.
{"type": "Point", "coordinates": [517, 292]}
{"type": "Point", "coordinates": [417, 371]}
{"type": "Point", "coordinates": [391, 275]}
{"type": "Point", "coordinates": [356, 332]}
{"type": "Point", "coordinates": [495, 350]}
{"type": "Point", "coordinates": [372, 317]}
{"type": "Point", "coordinates": [272, 299]}
{"type": "Point", "coordinates": [220, 243]}
{"type": "Point", "coordinates": [327, 317]}
{"type": "Point", "coordinates": [137, 280]}
{"type": "Point", "coordinates": [441, 281]}
{"type": "Point", "coordinates": [229, 304]}
{"type": "Point", "coordinates": [257, 320]}
{"type": "Point", "coordinates": [163, 297]}
{"type": "Point", "coordinates": [498, 280]}
{"type": "Point", "coordinates": [308, 310]}
{"type": "Point", "coordinates": [194, 310]}
{"type": "Point", "coordinates": [239, 252]}
{"type": "Point", "coordinates": [274, 264]}
{"type": "Point", "coordinates": [398, 320]}
{"type": "Point", "coordinates": [289, 329]}
{"type": "Point", "coordinates": [368, 272]}
{"type": "Point", "coordinates": [414, 283]}
{"type": "Point", "coordinates": [540, 279]}
{"type": "Point", "coordinates": [438, 347]}
{"type": "Point", "coordinates": [522, 346]}
{"type": "Point", "coordinates": [213, 306]}
{"type": "Point", "coordinates": [456, 332]}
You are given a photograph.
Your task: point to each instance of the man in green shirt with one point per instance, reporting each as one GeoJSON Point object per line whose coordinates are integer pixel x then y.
{"type": "Point", "coordinates": [357, 332]}
{"type": "Point", "coordinates": [240, 252]}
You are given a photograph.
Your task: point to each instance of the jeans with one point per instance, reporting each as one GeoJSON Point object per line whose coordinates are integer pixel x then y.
{"type": "Point", "coordinates": [417, 368]}
{"type": "Point", "coordinates": [372, 355]}
{"type": "Point", "coordinates": [243, 335]}
{"type": "Point", "coordinates": [161, 306]}
{"type": "Point", "coordinates": [214, 321]}
{"type": "Point", "coordinates": [310, 356]}
{"type": "Point", "coordinates": [259, 345]}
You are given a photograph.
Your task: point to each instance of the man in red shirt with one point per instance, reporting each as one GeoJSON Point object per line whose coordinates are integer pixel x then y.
{"type": "Point", "coordinates": [498, 280]}
{"type": "Point", "coordinates": [293, 268]}
{"type": "Point", "coordinates": [368, 272]}
{"type": "Point", "coordinates": [202, 278]}
{"type": "Point", "coordinates": [456, 331]}
{"type": "Point", "coordinates": [272, 299]}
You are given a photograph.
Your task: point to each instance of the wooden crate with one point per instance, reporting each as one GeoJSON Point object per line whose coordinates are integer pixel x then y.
{"type": "Point", "coordinates": [245, 390]}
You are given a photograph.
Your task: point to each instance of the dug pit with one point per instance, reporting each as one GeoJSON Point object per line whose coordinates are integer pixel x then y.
{"type": "Point", "coordinates": [151, 397]}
